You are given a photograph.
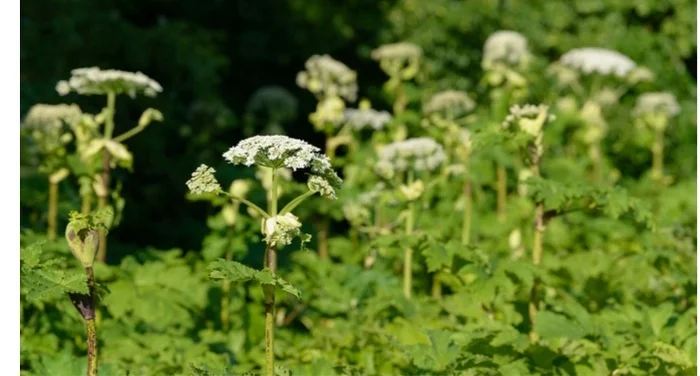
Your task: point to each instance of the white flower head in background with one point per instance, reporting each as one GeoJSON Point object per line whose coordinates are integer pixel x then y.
{"type": "Point", "coordinates": [452, 103]}
{"type": "Point", "coordinates": [507, 47]}
{"type": "Point", "coordinates": [598, 60]}
{"type": "Point", "coordinates": [329, 110]}
{"type": "Point", "coordinates": [529, 118]}
{"type": "Point", "coordinates": [657, 102]}
{"type": "Point", "coordinates": [655, 109]}
{"type": "Point", "coordinates": [275, 103]}
{"type": "Point", "coordinates": [45, 122]}
{"type": "Point", "coordinates": [203, 181]}
{"type": "Point", "coordinates": [326, 77]}
{"type": "Point", "coordinates": [417, 154]}
{"type": "Point", "coordinates": [399, 59]}
{"type": "Point", "coordinates": [51, 116]}
{"type": "Point", "coordinates": [95, 81]}
{"type": "Point", "coordinates": [641, 74]}
{"type": "Point", "coordinates": [361, 118]}
{"type": "Point", "coordinates": [283, 152]}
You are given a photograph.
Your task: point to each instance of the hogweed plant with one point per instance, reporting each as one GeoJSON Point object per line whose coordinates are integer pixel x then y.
{"type": "Point", "coordinates": [400, 163]}
{"type": "Point", "coordinates": [279, 227]}
{"type": "Point", "coordinates": [45, 124]}
{"type": "Point", "coordinates": [606, 71]}
{"type": "Point", "coordinates": [445, 118]}
{"type": "Point", "coordinates": [505, 58]}
{"type": "Point", "coordinates": [111, 148]}
{"type": "Point", "coordinates": [653, 112]}
{"type": "Point", "coordinates": [82, 235]}
{"type": "Point", "coordinates": [531, 119]}
{"type": "Point", "coordinates": [401, 62]}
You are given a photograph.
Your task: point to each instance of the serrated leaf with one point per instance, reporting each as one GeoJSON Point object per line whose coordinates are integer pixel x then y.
{"type": "Point", "coordinates": [237, 272]}
{"type": "Point", "coordinates": [552, 325]}
{"type": "Point", "coordinates": [49, 284]}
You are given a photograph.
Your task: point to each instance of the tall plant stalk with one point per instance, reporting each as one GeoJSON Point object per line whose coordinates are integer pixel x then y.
{"type": "Point", "coordinates": [501, 192]}
{"type": "Point", "coordinates": [270, 262]}
{"type": "Point", "coordinates": [408, 251]}
{"type": "Point", "coordinates": [104, 193]}
{"type": "Point", "coordinates": [537, 240]}
{"type": "Point", "coordinates": [53, 210]}
{"type": "Point", "coordinates": [657, 150]}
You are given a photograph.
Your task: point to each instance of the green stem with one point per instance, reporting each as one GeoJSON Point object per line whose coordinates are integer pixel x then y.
{"type": "Point", "coordinates": [467, 219]}
{"type": "Point", "coordinates": [502, 192]}
{"type": "Point", "coordinates": [53, 211]}
{"type": "Point", "coordinates": [130, 133]}
{"type": "Point", "coordinates": [86, 204]}
{"type": "Point", "coordinates": [109, 129]}
{"type": "Point", "coordinates": [250, 204]}
{"type": "Point", "coordinates": [437, 286]}
{"type": "Point", "coordinates": [596, 161]}
{"type": "Point", "coordinates": [90, 326]}
{"type": "Point", "coordinates": [408, 252]}
{"type": "Point", "coordinates": [657, 169]}
{"type": "Point", "coordinates": [536, 260]}
{"type": "Point", "coordinates": [294, 203]}
{"type": "Point", "coordinates": [269, 290]}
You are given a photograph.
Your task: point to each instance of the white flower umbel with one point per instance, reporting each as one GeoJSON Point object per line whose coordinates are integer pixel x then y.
{"type": "Point", "coordinates": [203, 181]}
{"type": "Point", "coordinates": [51, 116]}
{"type": "Point", "coordinates": [663, 103]}
{"type": "Point", "coordinates": [280, 230]}
{"type": "Point", "coordinates": [95, 81]}
{"type": "Point", "coordinates": [416, 154]}
{"type": "Point", "coordinates": [326, 77]}
{"type": "Point", "coordinates": [360, 118]}
{"type": "Point", "coordinates": [598, 60]}
{"type": "Point", "coordinates": [398, 59]}
{"type": "Point", "coordinates": [528, 118]}
{"type": "Point", "coordinates": [449, 102]}
{"type": "Point", "coordinates": [505, 46]}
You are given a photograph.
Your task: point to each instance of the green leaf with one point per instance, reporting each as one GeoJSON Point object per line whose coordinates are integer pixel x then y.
{"type": "Point", "coordinates": [553, 325]}
{"type": "Point", "coordinates": [671, 354]}
{"type": "Point", "coordinates": [237, 272]}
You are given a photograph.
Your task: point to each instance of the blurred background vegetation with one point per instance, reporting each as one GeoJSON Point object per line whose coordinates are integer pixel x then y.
{"type": "Point", "coordinates": [210, 57]}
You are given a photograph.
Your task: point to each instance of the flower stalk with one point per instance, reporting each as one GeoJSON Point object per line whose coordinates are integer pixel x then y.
{"type": "Point", "coordinates": [53, 210]}
{"type": "Point", "coordinates": [408, 251]}
{"type": "Point", "coordinates": [270, 262]}
{"type": "Point", "coordinates": [103, 194]}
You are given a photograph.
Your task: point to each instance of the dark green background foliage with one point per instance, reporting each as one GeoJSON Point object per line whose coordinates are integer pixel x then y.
{"type": "Point", "coordinates": [614, 295]}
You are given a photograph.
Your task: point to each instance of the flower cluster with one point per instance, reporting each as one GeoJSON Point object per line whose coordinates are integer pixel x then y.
{"type": "Point", "coordinates": [274, 102]}
{"type": "Point", "coordinates": [366, 118]}
{"type": "Point", "coordinates": [505, 46]}
{"type": "Point", "coordinates": [90, 81]}
{"type": "Point", "coordinates": [529, 118]}
{"type": "Point", "coordinates": [327, 77]}
{"type": "Point", "coordinates": [417, 154]}
{"type": "Point", "coordinates": [398, 59]}
{"type": "Point", "coordinates": [656, 103]}
{"type": "Point", "coordinates": [598, 60]}
{"type": "Point", "coordinates": [328, 111]}
{"type": "Point", "coordinates": [450, 102]}
{"type": "Point", "coordinates": [51, 116]}
{"type": "Point", "coordinates": [280, 152]}
{"type": "Point", "coordinates": [203, 181]}
{"type": "Point", "coordinates": [281, 229]}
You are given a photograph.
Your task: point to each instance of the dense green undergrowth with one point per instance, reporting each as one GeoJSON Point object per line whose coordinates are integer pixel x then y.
{"type": "Point", "coordinates": [473, 234]}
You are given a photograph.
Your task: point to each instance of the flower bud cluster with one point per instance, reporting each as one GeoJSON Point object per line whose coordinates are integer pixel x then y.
{"type": "Point", "coordinates": [327, 77]}
{"type": "Point", "coordinates": [416, 154]}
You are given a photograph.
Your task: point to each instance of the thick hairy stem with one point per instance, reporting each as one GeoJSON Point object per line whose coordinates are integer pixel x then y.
{"type": "Point", "coordinates": [109, 130]}
{"type": "Point", "coordinates": [102, 203]}
{"type": "Point", "coordinates": [269, 291]}
{"type": "Point", "coordinates": [86, 204]}
{"type": "Point", "coordinates": [536, 259]}
{"type": "Point", "coordinates": [657, 167]}
{"type": "Point", "coordinates": [437, 286]}
{"type": "Point", "coordinates": [53, 211]}
{"type": "Point", "coordinates": [90, 326]}
{"type": "Point", "coordinates": [501, 192]}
